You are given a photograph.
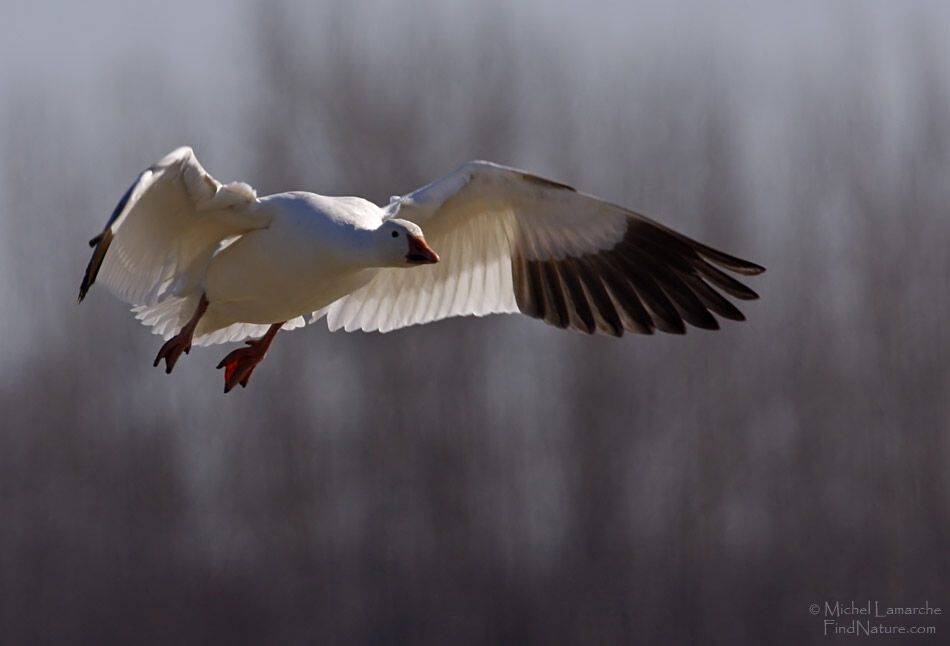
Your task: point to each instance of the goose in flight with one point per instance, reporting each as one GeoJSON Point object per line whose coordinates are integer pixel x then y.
{"type": "Point", "coordinates": [204, 262]}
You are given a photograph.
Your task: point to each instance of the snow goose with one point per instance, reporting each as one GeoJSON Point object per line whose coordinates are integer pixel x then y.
{"type": "Point", "coordinates": [204, 262]}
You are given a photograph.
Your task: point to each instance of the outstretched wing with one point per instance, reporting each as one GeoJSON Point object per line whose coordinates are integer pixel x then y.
{"type": "Point", "coordinates": [165, 230]}
{"type": "Point", "coordinates": [511, 241]}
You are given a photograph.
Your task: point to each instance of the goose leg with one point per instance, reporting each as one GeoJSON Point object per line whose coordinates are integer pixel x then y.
{"type": "Point", "coordinates": [240, 363]}
{"type": "Point", "coordinates": [181, 342]}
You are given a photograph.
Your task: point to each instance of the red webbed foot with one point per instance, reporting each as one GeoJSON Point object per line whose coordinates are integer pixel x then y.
{"type": "Point", "coordinates": [172, 349]}
{"type": "Point", "coordinates": [181, 342]}
{"type": "Point", "coordinates": [240, 363]}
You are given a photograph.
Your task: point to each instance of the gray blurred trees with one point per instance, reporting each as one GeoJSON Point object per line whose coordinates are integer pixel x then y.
{"type": "Point", "coordinates": [496, 480]}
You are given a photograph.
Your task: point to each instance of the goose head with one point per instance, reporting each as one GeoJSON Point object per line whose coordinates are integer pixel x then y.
{"type": "Point", "coordinates": [402, 244]}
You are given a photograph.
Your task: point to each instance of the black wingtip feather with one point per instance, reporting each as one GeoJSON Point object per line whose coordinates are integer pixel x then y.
{"type": "Point", "coordinates": [733, 264]}
{"type": "Point", "coordinates": [555, 303]}
{"type": "Point", "coordinates": [713, 300]}
{"type": "Point", "coordinates": [103, 240]}
{"type": "Point", "coordinates": [608, 320]}
{"type": "Point", "coordinates": [726, 283]}
{"type": "Point", "coordinates": [583, 319]}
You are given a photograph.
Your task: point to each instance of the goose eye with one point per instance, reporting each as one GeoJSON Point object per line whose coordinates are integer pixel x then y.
{"type": "Point", "coordinates": [395, 234]}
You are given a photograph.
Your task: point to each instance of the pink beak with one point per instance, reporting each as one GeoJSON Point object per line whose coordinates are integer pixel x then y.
{"type": "Point", "coordinates": [419, 252]}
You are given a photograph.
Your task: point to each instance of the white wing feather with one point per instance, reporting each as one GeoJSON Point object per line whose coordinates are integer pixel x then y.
{"type": "Point", "coordinates": [169, 226]}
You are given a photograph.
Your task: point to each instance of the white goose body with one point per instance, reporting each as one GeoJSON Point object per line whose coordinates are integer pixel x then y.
{"type": "Point", "coordinates": [209, 263]}
{"type": "Point", "coordinates": [315, 250]}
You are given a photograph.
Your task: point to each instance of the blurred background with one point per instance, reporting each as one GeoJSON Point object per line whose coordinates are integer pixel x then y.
{"type": "Point", "coordinates": [485, 480]}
